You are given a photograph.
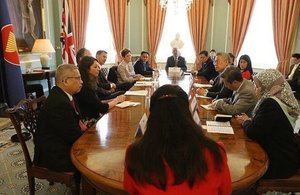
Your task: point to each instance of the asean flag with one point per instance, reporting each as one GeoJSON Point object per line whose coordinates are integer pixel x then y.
{"type": "Point", "coordinates": [12, 87]}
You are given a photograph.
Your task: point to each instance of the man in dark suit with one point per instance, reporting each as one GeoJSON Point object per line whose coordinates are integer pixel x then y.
{"type": "Point", "coordinates": [176, 61]}
{"type": "Point", "coordinates": [59, 123]}
{"type": "Point", "coordinates": [109, 88]}
{"type": "Point", "coordinates": [294, 74]}
{"type": "Point", "coordinates": [208, 69]}
{"type": "Point", "coordinates": [141, 66]}
{"type": "Point", "coordinates": [218, 90]}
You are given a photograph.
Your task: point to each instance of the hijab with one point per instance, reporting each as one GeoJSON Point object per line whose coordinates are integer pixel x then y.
{"type": "Point", "coordinates": [273, 84]}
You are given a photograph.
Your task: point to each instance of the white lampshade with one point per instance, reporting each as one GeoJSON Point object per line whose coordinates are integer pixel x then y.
{"type": "Point", "coordinates": [44, 47]}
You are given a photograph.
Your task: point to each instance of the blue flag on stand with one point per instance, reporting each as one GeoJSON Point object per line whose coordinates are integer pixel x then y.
{"type": "Point", "coordinates": [12, 87]}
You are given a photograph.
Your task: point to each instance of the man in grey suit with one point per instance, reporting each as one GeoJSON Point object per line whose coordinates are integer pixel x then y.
{"type": "Point", "coordinates": [243, 99]}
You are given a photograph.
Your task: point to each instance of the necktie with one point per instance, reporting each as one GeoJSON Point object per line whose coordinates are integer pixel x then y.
{"type": "Point", "coordinates": [232, 98]}
{"type": "Point", "coordinates": [176, 62]}
{"type": "Point", "coordinates": [82, 126]}
{"type": "Point", "coordinates": [290, 77]}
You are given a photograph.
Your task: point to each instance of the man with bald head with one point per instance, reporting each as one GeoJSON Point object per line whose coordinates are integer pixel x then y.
{"type": "Point", "coordinates": [59, 123]}
{"type": "Point", "coordinates": [176, 60]}
{"type": "Point", "coordinates": [218, 90]}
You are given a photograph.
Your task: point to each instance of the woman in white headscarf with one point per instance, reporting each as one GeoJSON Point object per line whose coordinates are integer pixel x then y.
{"type": "Point", "coordinates": [273, 122]}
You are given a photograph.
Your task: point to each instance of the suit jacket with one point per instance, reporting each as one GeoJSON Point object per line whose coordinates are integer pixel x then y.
{"type": "Point", "coordinates": [57, 129]}
{"type": "Point", "coordinates": [103, 82]}
{"type": "Point", "coordinates": [139, 68]}
{"type": "Point", "coordinates": [181, 63]}
{"type": "Point", "coordinates": [218, 90]}
{"type": "Point", "coordinates": [243, 100]}
{"type": "Point", "coordinates": [208, 70]}
{"type": "Point", "coordinates": [106, 85]}
{"type": "Point", "coordinates": [90, 104]}
{"type": "Point", "coordinates": [271, 128]}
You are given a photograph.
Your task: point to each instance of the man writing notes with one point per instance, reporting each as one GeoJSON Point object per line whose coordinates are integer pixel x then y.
{"type": "Point", "coordinates": [243, 99]}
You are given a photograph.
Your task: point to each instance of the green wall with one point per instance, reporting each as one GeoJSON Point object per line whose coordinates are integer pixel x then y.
{"type": "Point", "coordinates": [218, 35]}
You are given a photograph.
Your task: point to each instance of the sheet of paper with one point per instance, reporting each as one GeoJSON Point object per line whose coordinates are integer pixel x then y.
{"type": "Point", "coordinates": [127, 104]}
{"type": "Point", "coordinates": [137, 93]}
{"type": "Point", "coordinates": [202, 85]}
{"type": "Point", "coordinates": [145, 78]}
{"type": "Point", "coordinates": [208, 107]}
{"type": "Point", "coordinates": [144, 83]}
{"type": "Point", "coordinates": [219, 127]}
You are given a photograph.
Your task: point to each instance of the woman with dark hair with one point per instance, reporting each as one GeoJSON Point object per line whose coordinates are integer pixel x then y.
{"type": "Point", "coordinates": [174, 156]}
{"type": "Point", "coordinates": [245, 66]}
{"type": "Point", "coordinates": [89, 103]}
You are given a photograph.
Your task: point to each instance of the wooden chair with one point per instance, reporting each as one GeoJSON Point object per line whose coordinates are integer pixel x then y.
{"type": "Point", "coordinates": [26, 112]}
{"type": "Point", "coordinates": [291, 184]}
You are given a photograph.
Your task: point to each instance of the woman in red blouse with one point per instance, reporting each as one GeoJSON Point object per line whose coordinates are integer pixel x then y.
{"type": "Point", "coordinates": [245, 66]}
{"type": "Point", "coordinates": [174, 156]}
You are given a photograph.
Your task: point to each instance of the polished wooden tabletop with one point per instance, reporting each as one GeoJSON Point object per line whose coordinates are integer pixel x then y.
{"type": "Point", "coordinates": [99, 153]}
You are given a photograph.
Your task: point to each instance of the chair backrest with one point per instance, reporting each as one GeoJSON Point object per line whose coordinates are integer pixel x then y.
{"type": "Point", "coordinates": [26, 113]}
{"type": "Point", "coordinates": [113, 74]}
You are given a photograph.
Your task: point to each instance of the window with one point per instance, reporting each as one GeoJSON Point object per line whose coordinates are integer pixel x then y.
{"type": "Point", "coordinates": [176, 21]}
{"type": "Point", "coordinates": [99, 35]}
{"type": "Point", "coordinates": [259, 42]}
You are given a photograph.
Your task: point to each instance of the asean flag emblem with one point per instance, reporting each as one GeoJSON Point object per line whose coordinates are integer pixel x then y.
{"type": "Point", "coordinates": [9, 45]}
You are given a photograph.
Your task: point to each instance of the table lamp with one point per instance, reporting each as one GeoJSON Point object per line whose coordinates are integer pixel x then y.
{"type": "Point", "coordinates": [44, 47]}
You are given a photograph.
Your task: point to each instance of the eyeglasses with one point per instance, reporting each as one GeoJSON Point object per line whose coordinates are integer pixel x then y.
{"type": "Point", "coordinates": [77, 78]}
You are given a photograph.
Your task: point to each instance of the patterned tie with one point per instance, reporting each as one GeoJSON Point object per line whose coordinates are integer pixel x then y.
{"type": "Point", "coordinates": [82, 126]}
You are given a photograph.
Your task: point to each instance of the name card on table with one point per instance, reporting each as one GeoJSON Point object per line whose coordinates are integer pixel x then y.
{"type": "Point", "coordinates": [193, 105]}
{"type": "Point", "coordinates": [196, 118]}
{"type": "Point", "coordinates": [142, 126]}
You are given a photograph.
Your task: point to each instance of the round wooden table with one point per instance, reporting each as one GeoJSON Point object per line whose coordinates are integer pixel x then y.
{"type": "Point", "coordinates": [99, 153]}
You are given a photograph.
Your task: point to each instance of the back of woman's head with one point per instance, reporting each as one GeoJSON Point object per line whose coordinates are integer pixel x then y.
{"type": "Point", "coordinates": [169, 115]}
{"type": "Point", "coordinates": [171, 136]}
{"type": "Point", "coordinates": [84, 66]}
{"type": "Point", "coordinates": [249, 63]}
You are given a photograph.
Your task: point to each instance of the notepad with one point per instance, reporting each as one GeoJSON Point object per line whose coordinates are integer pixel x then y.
{"type": "Point", "coordinates": [202, 85]}
{"type": "Point", "coordinates": [127, 104]}
{"type": "Point", "coordinates": [137, 93]}
{"type": "Point", "coordinates": [219, 127]}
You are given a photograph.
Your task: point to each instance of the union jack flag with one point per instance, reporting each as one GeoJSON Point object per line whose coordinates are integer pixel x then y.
{"type": "Point", "coordinates": [66, 38]}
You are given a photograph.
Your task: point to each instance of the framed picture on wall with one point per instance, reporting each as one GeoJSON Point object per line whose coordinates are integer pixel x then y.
{"type": "Point", "coordinates": [26, 17]}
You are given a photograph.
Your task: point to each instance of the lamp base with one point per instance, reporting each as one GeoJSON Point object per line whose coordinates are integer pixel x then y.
{"type": "Point", "coordinates": [45, 67]}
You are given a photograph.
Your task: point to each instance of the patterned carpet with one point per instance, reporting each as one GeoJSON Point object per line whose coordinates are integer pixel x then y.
{"type": "Point", "coordinates": [13, 177]}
